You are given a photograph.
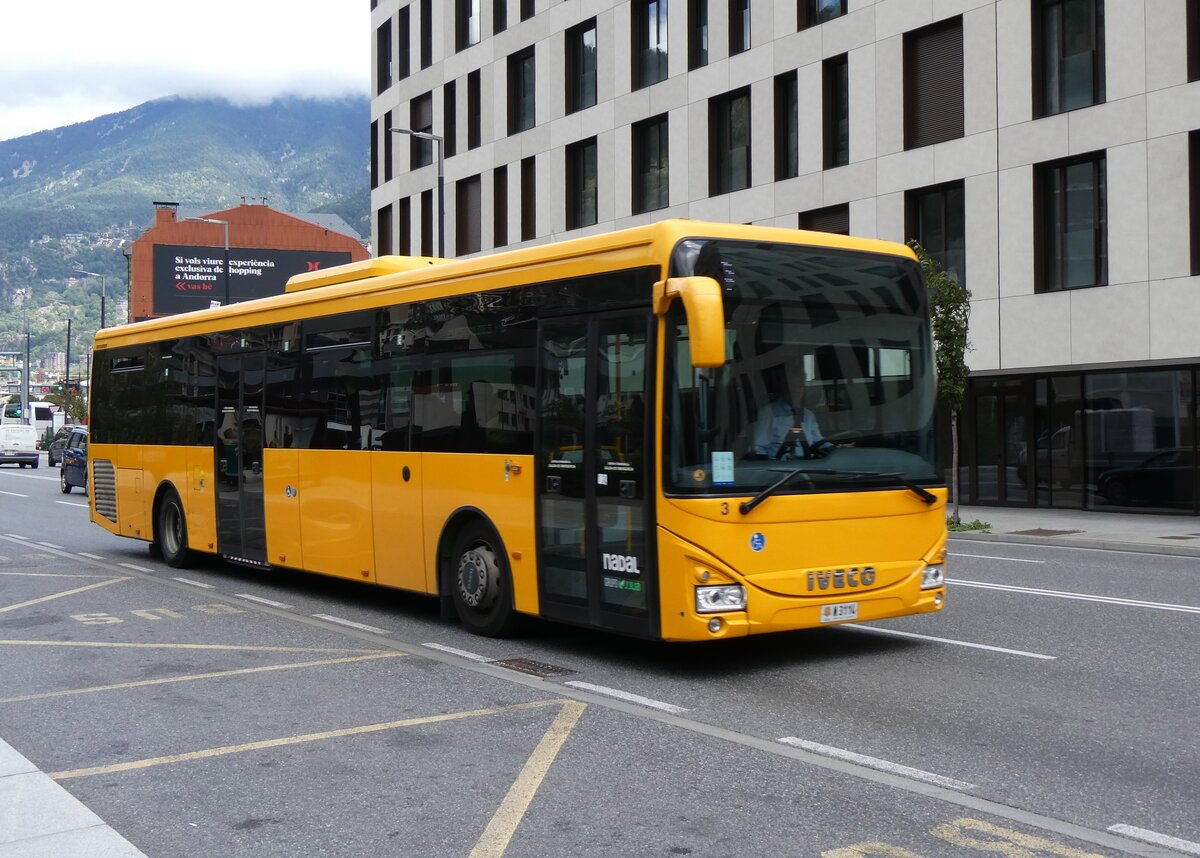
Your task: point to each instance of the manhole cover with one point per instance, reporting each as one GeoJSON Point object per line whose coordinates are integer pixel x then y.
{"type": "Point", "coordinates": [533, 668]}
{"type": "Point", "coordinates": [1041, 531]}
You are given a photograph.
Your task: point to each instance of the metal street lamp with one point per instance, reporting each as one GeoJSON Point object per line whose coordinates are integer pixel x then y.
{"type": "Point", "coordinates": [225, 224]}
{"type": "Point", "coordinates": [103, 289]}
{"type": "Point", "coordinates": [67, 380]}
{"type": "Point", "coordinates": [425, 135]}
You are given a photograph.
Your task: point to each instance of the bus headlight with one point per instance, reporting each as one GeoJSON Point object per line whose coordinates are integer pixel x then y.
{"type": "Point", "coordinates": [933, 577]}
{"type": "Point", "coordinates": [726, 597]}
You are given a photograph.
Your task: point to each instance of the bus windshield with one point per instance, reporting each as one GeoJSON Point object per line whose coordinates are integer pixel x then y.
{"type": "Point", "coordinates": [828, 374]}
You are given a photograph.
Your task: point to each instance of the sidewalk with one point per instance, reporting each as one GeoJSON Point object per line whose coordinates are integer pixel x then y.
{"type": "Point", "coordinates": [1158, 534]}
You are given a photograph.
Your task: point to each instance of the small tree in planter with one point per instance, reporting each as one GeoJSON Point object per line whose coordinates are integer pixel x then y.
{"type": "Point", "coordinates": [950, 312]}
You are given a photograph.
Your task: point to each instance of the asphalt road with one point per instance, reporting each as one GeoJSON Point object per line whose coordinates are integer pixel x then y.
{"type": "Point", "coordinates": [1051, 709]}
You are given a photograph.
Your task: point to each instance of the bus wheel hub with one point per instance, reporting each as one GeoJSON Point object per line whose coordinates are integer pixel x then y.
{"type": "Point", "coordinates": [476, 570]}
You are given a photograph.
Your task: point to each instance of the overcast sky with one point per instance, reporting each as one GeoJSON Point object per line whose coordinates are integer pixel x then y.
{"type": "Point", "coordinates": [67, 61]}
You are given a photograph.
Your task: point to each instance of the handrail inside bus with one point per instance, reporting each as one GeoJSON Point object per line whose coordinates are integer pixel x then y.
{"type": "Point", "coordinates": [374, 267]}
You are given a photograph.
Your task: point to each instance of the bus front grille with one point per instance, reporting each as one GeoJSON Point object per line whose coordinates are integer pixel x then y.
{"type": "Point", "coordinates": [104, 488]}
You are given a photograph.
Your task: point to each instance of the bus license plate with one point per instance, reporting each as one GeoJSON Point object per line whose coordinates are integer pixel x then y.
{"type": "Point", "coordinates": [840, 612]}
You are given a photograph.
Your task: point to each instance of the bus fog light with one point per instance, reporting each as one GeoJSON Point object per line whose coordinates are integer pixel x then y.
{"type": "Point", "coordinates": [933, 577]}
{"type": "Point", "coordinates": [715, 624]}
{"type": "Point", "coordinates": [726, 597]}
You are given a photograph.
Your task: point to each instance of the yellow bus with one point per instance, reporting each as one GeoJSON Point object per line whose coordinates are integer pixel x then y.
{"type": "Point", "coordinates": [683, 431]}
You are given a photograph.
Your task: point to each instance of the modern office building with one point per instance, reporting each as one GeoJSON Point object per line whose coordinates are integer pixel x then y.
{"type": "Point", "coordinates": [1046, 151]}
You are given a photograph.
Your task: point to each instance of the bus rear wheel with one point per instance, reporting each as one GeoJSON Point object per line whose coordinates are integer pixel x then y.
{"type": "Point", "coordinates": [480, 582]}
{"type": "Point", "coordinates": [171, 531]}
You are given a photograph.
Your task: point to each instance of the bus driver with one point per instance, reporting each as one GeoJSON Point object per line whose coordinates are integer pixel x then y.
{"type": "Point", "coordinates": [784, 422]}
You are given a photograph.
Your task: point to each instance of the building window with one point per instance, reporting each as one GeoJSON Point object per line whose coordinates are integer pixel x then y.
{"type": "Point", "coordinates": [500, 203]}
{"type": "Point", "coordinates": [388, 138]}
{"type": "Point", "coordinates": [526, 9]}
{"type": "Point", "coordinates": [650, 174]}
{"type": "Point", "coordinates": [739, 26]}
{"type": "Point", "coordinates": [1194, 196]}
{"type": "Point", "coordinates": [528, 198]}
{"type": "Point", "coordinates": [499, 16]}
{"type": "Point", "coordinates": [383, 232]}
{"type": "Point", "coordinates": [473, 111]}
{"type": "Point", "coordinates": [466, 22]}
{"type": "Point", "coordinates": [729, 142]}
{"type": "Point", "coordinates": [420, 118]}
{"type": "Point", "coordinates": [1072, 240]}
{"type": "Point", "coordinates": [936, 219]}
{"type": "Point", "coordinates": [467, 215]}
{"type": "Point", "coordinates": [581, 66]}
{"type": "Point", "coordinates": [404, 226]}
{"type": "Point", "coordinates": [933, 84]}
{"type": "Point", "coordinates": [449, 118]}
{"type": "Point", "coordinates": [649, 24]}
{"type": "Point", "coordinates": [787, 135]}
{"type": "Point", "coordinates": [697, 34]}
{"type": "Point", "coordinates": [809, 13]}
{"type": "Point", "coordinates": [383, 56]}
{"type": "Point", "coordinates": [403, 35]}
{"type": "Point", "coordinates": [581, 184]}
{"type": "Point", "coordinates": [836, 87]}
{"type": "Point", "coordinates": [835, 219]}
{"type": "Point", "coordinates": [1193, 39]}
{"type": "Point", "coordinates": [427, 223]}
{"type": "Point", "coordinates": [520, 91]}
{"type": "Point", "coordinates": [375, 153]}
{"type": "Point", "coordinates": [1068, 55]}
{"type": "Point", "coordinates": [426, 33]}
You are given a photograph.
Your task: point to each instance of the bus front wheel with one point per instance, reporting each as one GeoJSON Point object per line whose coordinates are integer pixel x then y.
{"type": "Point", "coordinates": [171, 531]}
{"type": "Point", "coordinates": [480, 582]}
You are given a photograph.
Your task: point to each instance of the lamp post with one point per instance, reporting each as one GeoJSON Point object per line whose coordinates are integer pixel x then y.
{"type": "Point", "coordinates": [425, 135]}
{"type": "Point", "coordinates": [225, 224]}
{"type": "Point", "coordinates": [67, 379]}
{"type": "Point", "coordinates": [103, 289]}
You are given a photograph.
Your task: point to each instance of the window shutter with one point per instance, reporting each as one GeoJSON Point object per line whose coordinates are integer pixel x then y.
{"type": "Point", "coordinates": [933, 62]}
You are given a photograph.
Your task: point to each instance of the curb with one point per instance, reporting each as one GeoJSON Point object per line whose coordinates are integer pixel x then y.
{"type": "Point", "coordinates": [1079, 542]}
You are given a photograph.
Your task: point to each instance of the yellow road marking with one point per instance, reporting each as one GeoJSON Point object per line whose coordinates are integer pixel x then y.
{"type": "Point", "coordinates": [292, 740]}
{"type": "Point", "coordinates": [508, 816]}
{"type": "Point", "coordinates": [233, 647]}
{"type": "Point", "coordinates": [64, 593]}
{"type": "Point", "coordinates": [191, 677]}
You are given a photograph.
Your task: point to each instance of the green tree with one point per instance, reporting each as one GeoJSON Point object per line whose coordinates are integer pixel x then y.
{"type": "Point", "coordinates": [950, 313]}
{"type": "Point", "coordinates": [72, 402]}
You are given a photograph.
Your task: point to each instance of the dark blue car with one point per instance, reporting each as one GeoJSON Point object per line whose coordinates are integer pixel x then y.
{"type": "Point", "coordinates": [74, 471]}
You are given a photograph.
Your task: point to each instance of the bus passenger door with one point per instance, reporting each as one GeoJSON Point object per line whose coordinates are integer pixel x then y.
{"type": "Point", "coordinates": [241, 523]}
{"type": "Point", "coordinates": [594, 512]}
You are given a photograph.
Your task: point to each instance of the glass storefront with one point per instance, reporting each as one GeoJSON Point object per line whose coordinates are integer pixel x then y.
{"type": "Point", "coordinates": [1120, 441]}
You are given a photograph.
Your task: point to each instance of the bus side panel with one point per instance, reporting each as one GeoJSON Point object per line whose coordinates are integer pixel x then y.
{"type": "Point", "coordinates": [503, 494]}
{"type": "Point", "coordinates": [163, 465]}
{"type": "Point", "coordinates": [106, 454]}
{"type": "Point", "coordinates": [398, 522]}
{"type": "Point", "coordinates": [335, 513]}
{"type": "Point", "coordinates": [131, 505]}
{"type": "Point", "coordinates": [281, 507]}
{"type": "Point", "coordinates": [200, 503]}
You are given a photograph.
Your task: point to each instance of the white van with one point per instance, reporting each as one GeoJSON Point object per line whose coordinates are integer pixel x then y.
{"type": "Point", "coordinates": [19, 444]}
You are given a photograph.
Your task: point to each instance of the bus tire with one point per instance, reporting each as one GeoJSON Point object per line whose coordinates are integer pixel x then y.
{"type": "Point", "coordinates": [170, 531]}
{"type": "Point", "coordinates": [480, 582]}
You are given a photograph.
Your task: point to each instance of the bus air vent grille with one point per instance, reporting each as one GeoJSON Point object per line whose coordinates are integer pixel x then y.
{"type": "Point", "coordinates": [104, 488]}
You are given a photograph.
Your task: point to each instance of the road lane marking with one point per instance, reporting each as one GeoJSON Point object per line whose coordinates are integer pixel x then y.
{"type": "Point", "coordinates": [228, 647]}
{"type": "Point", "coordinates": [283, 741]}
{"type": "Point", "coordinates": [195, 583]}
{"type": "Point", "coordinates": [89, 556]}
{"type": "Point", "coordinates": [969, 644]}
{"type": "Point", "coordinates": [460, 652]}
{"type": "Point", "coordinates": [508, 816]}
{"type": "Point", "coordinates": [628, 697]}
{"type": "Point", "coordinates": [192, 677]}
{"type": "Point", "coordinates": [992, 557]}
{"type": "Point", "coordinates": [14, 494]}
{"type": "Point", "coordinates": [351, 624]}
{"type": "Point", "coordinates": [64, 593]}
{"type": "Point", "coordinates": [135, 568]}
{"type": "Point", "coordinates": [1157, 839]}
{"type": "Point", "coordinates": [1082, 597]}
{"type": "Point", "coordinates": [52, 574]}
{"type": "Point", "coordinates": [260, 599]}
{"type": "Point", "coordinates": [876, 763]}
{"type": "Point", "coordinates": [69, 503]}
{"type": "Point", "coordinates": [52, 545]}
{"type": "Point", "coordinates": [18, 536]}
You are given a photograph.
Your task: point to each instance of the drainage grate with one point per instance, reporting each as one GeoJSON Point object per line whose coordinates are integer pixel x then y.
{"type": "Point", "coordinates": [1041, 531]}
{"type": "Point", "coordinates": [533, 668]}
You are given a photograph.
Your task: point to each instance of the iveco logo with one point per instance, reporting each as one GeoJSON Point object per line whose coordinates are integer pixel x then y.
{"type": "Point", "coordinates": [840, 579]}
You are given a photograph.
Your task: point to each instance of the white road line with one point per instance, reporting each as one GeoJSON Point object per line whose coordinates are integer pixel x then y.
{"type": "Point", "coordinates": [999, 649]}
{"type": "Point", "coordinates": [52, 545]}
{"type": "Point", "coordinates": [270, 602]}
{"type": "Point", "coordinates": [875, 763]}
{"type": "Point", "coordinates": [1082, 597]}
{"type": "Point", "coordinates": [991, 557]}
{"type": "Point", "coordinates": [14, 494]}
{"type": "Point", "coordinates": [628, 697]}
{"type": "Point", "coordinates": [68, 503]}
{"type": "Point", "coordinates": [459, 652]}
{"type": "Point", "coordinates": [89, 556]}
{"type": "Point", "coordinates": [1157, 839]}
{"type": "Point", "coordinates": [351, 624]}
{"type": "Point", "coordinates": [195, 583]}
{"type": "Point", "coordinates": [18, 536]}
{"type": "Point", "coordinates": [135, 568]}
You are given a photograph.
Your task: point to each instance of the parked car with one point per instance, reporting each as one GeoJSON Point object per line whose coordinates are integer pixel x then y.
{"type": "Point", "coordinates": [54, 453]}
{"type": "Point", "coordinates": [74, 470]}
{"type": "Point", "coordinates": [1163, 479]}
{"type": "Point", "coordinates": [18, 444]}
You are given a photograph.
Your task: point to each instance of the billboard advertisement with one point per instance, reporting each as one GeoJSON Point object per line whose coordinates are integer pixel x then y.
{"type": "Point", "coordinates": [190, 277]}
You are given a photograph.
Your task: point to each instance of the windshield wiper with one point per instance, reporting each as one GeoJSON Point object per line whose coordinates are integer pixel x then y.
{"type": "Point", "coordinates": [897, 478]}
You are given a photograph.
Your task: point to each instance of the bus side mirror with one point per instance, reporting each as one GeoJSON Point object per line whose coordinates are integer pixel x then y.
{"type": "Point", "coordinates": [705, 315]}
